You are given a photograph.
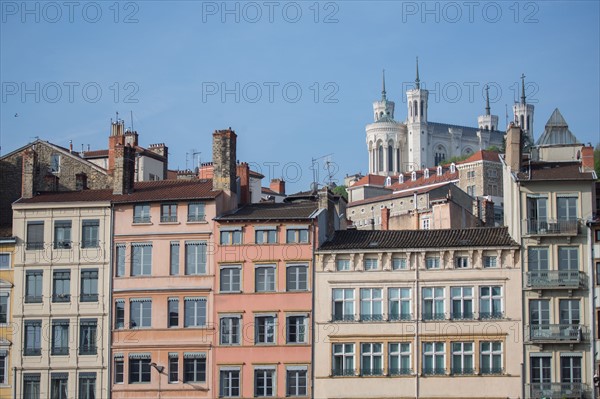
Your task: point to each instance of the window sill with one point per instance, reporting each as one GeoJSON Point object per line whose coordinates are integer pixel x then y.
{"type": "Point", "coordinates": [142, 224]}
{"type": "Point", "coordinates": [169, 223]}
{"type": "Point", "coordinates": [231, 292]}
{"type": "Point", "coordinates": [197, 222]}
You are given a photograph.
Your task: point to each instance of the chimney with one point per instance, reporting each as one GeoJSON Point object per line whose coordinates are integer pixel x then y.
{"type": "Point", "coordinates": [385, 218]}
{"type": "Point", "coordinates": [278, 185]}
{"type": "Point", "coordinates": [513, 147]}
{"type": "Point", "coordinates": [124, 170]}
{"type": "Point", "coordinates": [326, 202]}
{"type": "Point", "coordinates": [162, 150]}
{"type": "Point", "coordinates": [587, 159]}
{"type": "Point", "coordinates": [488, 212]}
{"type": "Point", "coordinates": [131, 138]}
{"type": "Point", "coordinates": [81, 181]}
{"type": "Point", "coordinates": [117, 131]}
{"type": "Point", "coordinates": [224, 160]}
{"type": "Point", "coordinates": [29, 163]}
{"type": "Point", "coordinates": [243, 173]}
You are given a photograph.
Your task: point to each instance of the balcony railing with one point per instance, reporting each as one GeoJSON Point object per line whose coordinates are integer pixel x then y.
{"type": "Point", "coordinates": [371, 317]}
{"type": "Point", "coordinates": [61, 298]}
{"type": "Point", "coordinates": [462, 316]}
{"type": "Point", "coordinates": [367, 372]}
{"type": "Point", "coordinates": [88, 298]}
{"type": "Point", "coordinates": [141, 219]}
{"type": "Point", "coordinates": [542, 227]}
{"type": "Point", "coordinates": [571, 279]}
{"type": "Point", "coordinates": [556, 333]}
{"type": "Point", "coordinates": [196, 218]}
{"type": "Point", "coordinates": [33, 299]}
{"type": "Point", "coordinates": [343, 372]}
{"type": "Point", "coordinates": [168, 218]}
{"type": "Point", "coordinates": [400, 317]}
{"type": "Point", "coordinates": [88, 350]}
{"type": "Point", "coordinates": [491, 315]}
{"type": "Point", "coordinates": [400, 371]}
{"type": "Point", "coordinates": [463, 371]}
{"type": "Point", "coordinates": [32, 351]}
{"type": "Point", "coordinates": [557, 390]}
{"type": "Point", "coordinates": [60, 351]}
{"type": "Point", "coordinates": [434, 316]}
{"type": "Point", "coordinates": [491, 371]}
{"type": "Point", "coordinates": [434, 371]}
{"type": "Point", "coordinates": [343, 317]}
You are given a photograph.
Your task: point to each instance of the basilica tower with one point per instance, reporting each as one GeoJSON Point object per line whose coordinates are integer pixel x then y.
{"type": "Point", "coordinates": [524, 113]}
{"type": "Point", "coordinates": [417, 125]}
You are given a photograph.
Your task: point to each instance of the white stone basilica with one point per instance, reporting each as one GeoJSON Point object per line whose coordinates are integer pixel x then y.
{"type": "Point", "coordinates": [417, 143]}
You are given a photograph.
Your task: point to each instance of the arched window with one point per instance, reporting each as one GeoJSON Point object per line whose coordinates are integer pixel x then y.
{"type": "Point", "coordinates": [401, 178]}
{"type": "Point", "coordinates": [390, 158]}
{"type": "Point", "coordinates": [527, 123]}
{"type": "Point", "coordinates": [452, 168]}
{"type": "Point", "coordinates": [426, 173]}
{"type": "Point", "coordinates": [439, 170]}
{"type": "Point", "coordinates": [388, 182]}
{"type": "Point", "coordinates": [413, 176]}
{"type": "Point", "coordinates": [380, 156]}
{"type": "Point", "coordinates": [422, 102]}
{"type": "Point", "coordinates": [409, 108]}
{"type": "Point", "coordinates": [416, 108]}
{"type": "Point", "coordinates": [522, 124]}
{"type": "Point", "coordinates": [487, 127]}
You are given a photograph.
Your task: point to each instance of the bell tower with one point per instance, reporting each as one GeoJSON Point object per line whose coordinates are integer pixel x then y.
{"type": "Point", "coordinates": [417, 124]}
{"type": "Point", "coordinates": [524, 114]}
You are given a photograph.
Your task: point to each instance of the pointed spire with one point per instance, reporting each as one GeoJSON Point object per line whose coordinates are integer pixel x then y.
{"type": "Point", "coordinates": [417, 80]}
{"type": "Point", "coordinates": [383, 96]}
{"type": "Point", "coordinates": [522, 88]}
{"type": "Point", "coordinates": [487, 100]}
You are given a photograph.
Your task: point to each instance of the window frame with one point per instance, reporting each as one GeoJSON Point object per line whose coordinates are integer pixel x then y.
{"type": "Point", "coordinates": [142, 213]}
{"type": "Point", "coordinates": [142, 370]}
{"type": "Point", "coordinates": [89, 281]}
{"type": "Point", "coordinates": [343, 353]}
{"type": "Point", "coordinates": [145, 305]}
{"type": "Point", "coordinates": [32, 230]}
{"type": "Point", "coordinates": [198, 312]}
{"type": "Point", "coordinates": [461, 354]}
{"type": "Point", "coordinates": [345, 301]}
{"type": "Point", "coordinates": [461, 296]}
{"type": "Point", "coordinates": [141, 259]}
{"type": "Point", "coordinates": [90, 227]}
{"type": "Point", "coordinates": [63, 228]}
{"type": "Point", "coordinates": [268, 235]}
{"type": "Point", "coordinates": [173, 317]}
{"type": "Point", "coordinates": [435, 353]}
{"type": "Point", "coordinates": [8, 264]}
{"type": "Point", "coordinates": [198, 363]}
{"type": "Point", "coordinates": [61, 279]}
{"type": "Point", "coordinates": [265, 329]}
{"type": "Point", "coordinates": [119, 373]}
{"type": "Point", "coordinates": [296, 278]}
{"type": "Point", "coordinates": [492, 298]}
{"type": "Point", "coordinates": [228, 391]}
{"type": "Point", "coordinates": [173, 368]}
{"type": "Point", "coordinates": [397, 294]}
{"type": "Point", "coordinates": [229, 326]}
{"type": "Point", "coordinates": [168, 212]}
{"type": "Point", "coordinates": [294, 375]}
{"type": "Point", "coordinates": [87, 385]}
{"type": "Point", "coordinates": [297, 235]}
{"type": "Point", "coordinates": [370, 355]}
{"type": "Point", "coordinates": [270, 272]}
{"type": "Point", "coordinates": [196, 261]}
{"type": "Point", "coordinates": [402, 354]}
{"type": "Point", "coordinates": [490, 354]}
{"type": "Point", "coordinates": [232, 236]}
{"type": "Point", "coordinates": [60, 330]}
{"type": "Point", "coordinates": [300, 335]}
{"type": "Point", "coordinates": [269, 374]}
{"type": "Point", "coordinates": [227, 278]}
{"type": "Point", "coordinates": [38, 283]}
{"type": "Point", "coordinates": [196, 216]}
{"type": "Point", "coordinates": [368, 301]}
{"type": "Point", "coordinates": [88, 337]}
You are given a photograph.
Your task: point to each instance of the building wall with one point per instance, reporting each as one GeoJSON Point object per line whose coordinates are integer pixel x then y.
{"type": "Point", "coordinates": [149, 166]}
{"type": "Point", "coordinates": [416, 330]}
{"type": "Point", "coordinates": [7, 328]}
{"type": "Point", "coordinates": [49, 260]}
{"type": "Point", "coordinates": [485, 178]}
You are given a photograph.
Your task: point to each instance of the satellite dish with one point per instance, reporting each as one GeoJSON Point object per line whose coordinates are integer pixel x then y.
{"type": "Point", "coordinates": [314, 187]}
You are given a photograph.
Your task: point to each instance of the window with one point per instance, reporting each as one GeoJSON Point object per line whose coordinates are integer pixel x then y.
{"type": "Point", "coordinates": [433, 303]}
{"type": "Point", "coordinates": [470, 174]}
{"type": "Point", "coordinates": [370, 264]}
{"type": "Point", "coordinates": [489, 261]}
{"type": "Point", "coordinates": [119, 314]}
{"type": "Point", "coordinates": [399, 263]}
{"type": "Point", "coordinates": [141, 259]}
{"type": "Point", "coordinates": [399, 359]}
{"type": "Point", "coordinates": [568, 258]}
{"type": "Point", "coordinates": [230, 279]}
{"type": "Point", "coordinates": [195, 212]}
{"type": "Point", "coordinates": [194, 312]}
{"type": "Point", "coordinates": [597, 273]}
{"type": "Point", "coordinates": [33, 286]}
{"type": "Point", "coordinates": [569, 315]}
{"type": "Point", "coordinates": [432, 262]}
{"type": "Point", "coordinates": [173, 368]}
{"type": "Point", "coordinates": [4, 261]}
{"type": "Point", "coordinates": [343, 304]}
{"type": "Point", "coordinates": [343, 359]}
{"type": "Point", "coordinates": [231, 237]}
{"type": "Point", "coordinates": [33, 336]}
{"type": "Point", "coordinates": [425, 223]}
{"type": "Point", "coordinates": [89, 285]}
{"type": "Point", "coordinates": [264, 235]}
{"type": "Point", "coordinates": [490, 302]}
{"type": "Point", "coordinates": [297, 278]}
{"type": "Point", "coordinates": [264, 380]}
{"type": "Point", "coordinates": [296, 381]}
{"type": "Point", "coordinates": [139, 368]}
{"type": "Point", "coordinates": [62, 234]}
{"type": "Point", "coordinates": [264, 327]}
{"type": "Point", "coordinates": [296, 235]}
{"type": "Point", "coordinates": [598, 230]}
{"type": "Point", "coordinates": [462, 358]}
{"type": "Point", "coordinates": [120, 259]}
{"type": "Point", "coordinates": [119, 370]}
{"type": "Point", "coordinates": [399, 304]}
{"type": "Point", "coordinates": [434, 358]}
{"type": "Point", "coordinates": [371, 304]}
{"type": "Point", "coordinates": [174, 259]}
{"type": "Point", "coordinates": [4, 303]}
{"type": "Point", "coordinates": [140, 313]}
{"type": "Point", "coordinates": [537, 258]}
{"type": "Point", "coordinates": [570, 369]}
{"type": "Point", "coordinates": [88, 336]}
{"type": "Point", "coordinates": [371, 359]}
{"type": "Point", "coordinates": [61, 286]}
{"type": "Point", "coordinates": [55, 163]}
{"type": "Point", "coordinates": [35, 235]}
{"type": "Point", "coordinates": [173, 320]}
{"type": "Point", "coordinates": [60, 337]}
{"type": "Point", "coordinates": [540, 369]}
{"type": "Point", "coordinates": [462, 303]}
{"type": "Point", "coordinates": [265, 278]}
{"type": "Point", "coordinates": [229, 383]}
{"type": "Point", "coordinates": [461, 262]}
{"type": "Point", "coordinates": [141, 213]}
{"type": "Point", "coordinates": [491, 357]}
{"type": "Point", "coordinates": [296, 330]}
{"type": "Point", "coordinates": [230, 330]}
{"type": "Point", "coordinates": [87, 385]}
{"type": "Point", "coordinates": [168, 213]}
{"type": "Point", "coordinates": [89, 233]}
{"type": "Point", "coordinates": [567, 208]}
{"type": "Point", "coordinates": [194, 367]}
{"type": "Point", "coordinates": [342, 265]}
{"type": "Point", "coordinates": [58, 385]}
{"type": "Point", "coordinates": [195, 258]}
{"type": "Point", "coordinates": [471, 190]}
{"type": "Point", "coordinates": [31, 386]}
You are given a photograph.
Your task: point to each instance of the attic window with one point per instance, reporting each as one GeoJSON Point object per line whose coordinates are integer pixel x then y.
{"type": "Point", "coordinates": [452, 167]}
{"type": "Point", "coordinates": [55, 163]}
{"type": "Point", "coordinates": [413, 176]}
{"type": "Point", "coordinates": [401, 178]}
{"type": "Point", "coordinates": [426, 173]}
{"type": "Point", "coordinates": [439, 170]}
{"type": "Point", "coordinates": [388, 181]}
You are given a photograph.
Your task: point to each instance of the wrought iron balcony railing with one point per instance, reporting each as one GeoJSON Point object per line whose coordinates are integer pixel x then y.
{"type": "Point", "coordinates": [141, 219]}
{"type": "Point", "coordinates": [400, 317]}
{"type": "Point", "coordinates": [556, 333]}
{"type": "Point", "coordinates": [462, 316]}
{"type": "Point", "coordinates": [434, 371]}
{"type": "Point", "coordinates": [371, 317]}
{"type": "Point", "coordinates": [343, 317]}
{"type": "Point", "coordinates": [542, 227]}
{"type": "Point", "coordinates": [343, 372]}
{"type": "Point", "coordinates": [367, 372]}
{"type": "Point", "coordinates": [434, 316]}
{"type": "Point", "coordinates": [567, 279]}
{"type": "Point", "coordinates": [463, 370]}
{"type": "Point", "coordinates": [168, 219]}
{"type": "Point", "coordinates": [557, 390]}
{"type": "Point", "coordinates": [491, 371]}
{"type": "Point", "coordinates": [400, 371]}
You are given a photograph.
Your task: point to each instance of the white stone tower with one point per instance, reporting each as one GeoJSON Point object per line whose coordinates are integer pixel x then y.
{"type": "Point", "coordinates": [487, 121]}
{"type": "Point", "coordinates": [417, 125]}
{"type": "Point", "coordinates": [524, 113]}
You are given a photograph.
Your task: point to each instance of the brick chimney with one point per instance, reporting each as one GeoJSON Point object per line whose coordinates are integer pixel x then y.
{"type": "Point", "coordinates": [224, 160]}
{"type": "Point", "coordinates": [117, 137]}
{"type": "Point", "coordinates": [278, 185]}
{"type": "Point", "coordinates": [131, 138]}
{"type": "Point", "coordinates": [385, 218]}
{"type": "Point", "coordinates": [124, 170]}
{"type": "Point", "coordinates": [587, 159]}
{"type": "Point", "coordinates": [29, 163]}
{"type": "Point", "coordinates": [243, 174]}
{"type": "Point", "coordinates": [326, 202]}
{"type": "Point", "coordinates": [162, 150]}
{"type": "Point", "coordinates": [513, 147]}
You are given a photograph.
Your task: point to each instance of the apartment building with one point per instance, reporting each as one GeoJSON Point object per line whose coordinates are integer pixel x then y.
{"type": "Point", "coordinates": [421, 313]}
{"type": "Point", "coordinates": [7, 256]}
{"type": "Point", "coordinates": [548, 192]}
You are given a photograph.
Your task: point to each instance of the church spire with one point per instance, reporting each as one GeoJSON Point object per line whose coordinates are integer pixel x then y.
{"type": "Point", "coordinates": [522, 88]}
{"type": "Point", "coordinates": [487, 100]}
{"type": "Point", "coordinates": [417, 80]}
{"type": "Point", "coordinates": [383, 96]}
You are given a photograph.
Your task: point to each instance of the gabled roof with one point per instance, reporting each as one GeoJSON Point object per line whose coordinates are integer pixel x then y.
{"type": "Point", "coordinates": [267, 190]}
{"type": "Point", "coordinates": [266, 211]}
{"type": "Point", "coordinates": [408, 239]}
{"type": "Point", "coordinates": [402, 194]}
{"type": "Point", "coordinates": [557, 131]}
{"type": "Point", "coordinates": [421, 181]}
{"type": "Point", "coordinates": [482, 155]}
{"type": "Point", "coordinates": [554, 171]}
{"type": "Point", "coordinates": [467, 131]}
{"type": "Point", "coordinates": [369, 180]}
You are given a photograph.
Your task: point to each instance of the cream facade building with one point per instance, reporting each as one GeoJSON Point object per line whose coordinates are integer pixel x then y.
{"type": "Point", "coordinates": [7, 331]}
{"type": "Point", "coordinates": [418, 314]}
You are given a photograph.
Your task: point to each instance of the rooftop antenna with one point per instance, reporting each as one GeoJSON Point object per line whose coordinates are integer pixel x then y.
{"type": "Point", "coordinates": [117, 116]}
{"type": "Point", "coordinates": [194, 153]}
{"type": "Point", "coordinates": [132, 121]}
{"type": "Point", "coordinates": [315, 169]}
{"type": "Point", "coordinates": [506, 113]}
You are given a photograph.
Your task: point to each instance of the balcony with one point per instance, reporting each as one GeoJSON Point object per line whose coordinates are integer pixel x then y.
{"type": "Point", "coordinates": [462, 316]}
{"type": "Point", "coordinates": [557, 390]}
{"type": "Point", "coordinates": [400, 317]}
{"type": "Point", "coordinates": [343, 372]}
{"type": "Point", "coordinates": [491, 371]}
{"type": "Point", "coordinates": [434, 371]}
{"type": "Point", "coordinates": [371, 317]}
{"type": "Point", "coordinates": [433, 316]}
{"type": "Point", "coordinates": [196, 218]}
{"type": "Point", "coordinates": [168, 219]}
{"type": "Point", "coordinates": [401, 371]}
{"type": "Point", "coordinates": [551, 227]}
{"type": "Point", "coordinates": [343, 317]}
{"type": "Point", "coordinates": [556, 333]}
{"type": "Point", "coordinates": [463, 371]}
{"type": "Point", "coordinates": [370, 372]}
{"type": "Point", "coordinates": [555, 279]}
{"type": "Point", "coordinates": [141, 219]}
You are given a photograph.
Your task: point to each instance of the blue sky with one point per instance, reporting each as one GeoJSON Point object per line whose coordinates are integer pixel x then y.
{"type": "Point", "coordinates": [296, 80]}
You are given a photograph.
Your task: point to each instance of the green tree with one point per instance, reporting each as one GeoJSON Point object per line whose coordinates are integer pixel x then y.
{"type": "Point", "coordinates": [341, 190]}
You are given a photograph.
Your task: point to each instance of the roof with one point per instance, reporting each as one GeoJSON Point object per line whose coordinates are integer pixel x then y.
{"type": "Point", "coordinates": [557, 131]}
{"type": "Point", "coordinates": [150, 191]}
{"type": "Point", "coordinates": [404, 239]}
{"type": "Point", "coordinates": [482, 155]}
{"type": "Point", "coordinates": [433, 180]}
{"type": "Point", "coordinates": [256, 174]}
{"type": "Point", "coordinates": [95, 154]}
{"type": "Point", "coordinates": [402, 194]}
{"type": "Point", "coordinates": [267, 190]}
{"type": "Point", "coordinates": [554, 171]}
{"type": "Point", "coordinates": [371, 180]}
{"type": "Point", "coordinates": [467, 131]}
{"type": "Point", "coordinates": [272, 211]}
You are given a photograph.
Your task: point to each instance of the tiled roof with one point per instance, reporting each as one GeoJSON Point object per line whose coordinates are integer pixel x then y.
{"type": "Point", "coordinates": [408, 239]}
{"type": "Point", "coordinates": [267, 190]}
{"type": "Point", "coordinates": [95, 154]}
{"type": "Point", "coordinates": [380, 198]}
{"type": "Point", "coordinates": [482, 155]}
{"type": "Point", "coordinates": [150, 191]}
{"type": "Point", "coordinates": [272, 211]}
{"type": "Point", "coordinates": [467, 131]}
{"type": "Point", "coordinates": [373, 180]}
{"type": "Point", "coordinates": [555, 171]}
{"type": "Point", "coordinates": [421, 180]}
{"type": "Point", "coordinates": [256, 174]}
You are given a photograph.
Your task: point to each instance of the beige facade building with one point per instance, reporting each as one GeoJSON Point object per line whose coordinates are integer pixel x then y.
{"type": "Point", "coordinates": [7, 256]}
{"type": "Point", "coordinates": [418, 314]}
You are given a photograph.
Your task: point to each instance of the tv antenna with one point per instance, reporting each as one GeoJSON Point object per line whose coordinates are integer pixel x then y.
{"type": "Point", "coordinates": [315, 168]}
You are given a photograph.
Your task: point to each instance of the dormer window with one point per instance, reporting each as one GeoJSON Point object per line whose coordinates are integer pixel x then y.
{"type": "Point", "coordinates": [426, 173]}
{"type": "Point", "coordinates": [439, 170]}
{"type": "Point", "coordinates": [388, 181]}
{"type": "Point", "coordinates": [55, 163]}
{"type": "Point", "coordinates": [413, 176]}
{"type": "Point", "coordinates": [401, 178]}
{"type": "Point", "coordinates": [452, 167]}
